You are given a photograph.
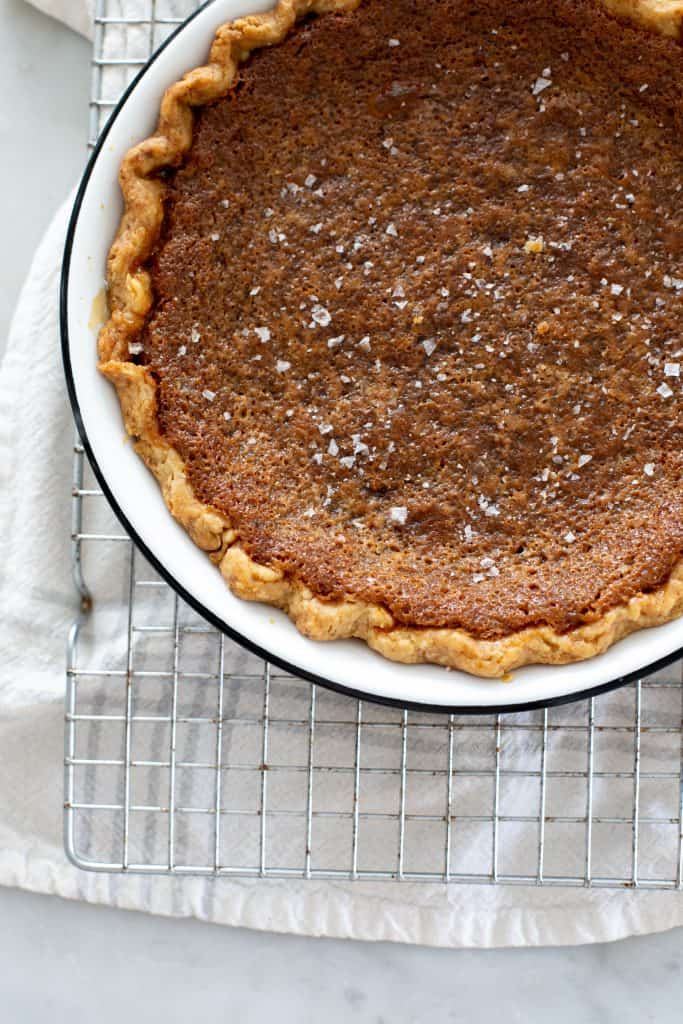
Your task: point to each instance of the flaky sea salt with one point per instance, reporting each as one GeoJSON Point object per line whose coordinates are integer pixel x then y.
{"type": "Point", "coordinates": [649, 469]}
{"type": "Point", "coordinates": [399, 514]}
{"type": "Point", "coordinates": [664, 390]}
{"type": "Point", "coordinates": [320, 315]}
{"type": "Point", "coordinates": [539, 85]}
{"type": "Point", "coordinates": [282, 366]}
{"type": "Point", "coordinates": [263, 333]}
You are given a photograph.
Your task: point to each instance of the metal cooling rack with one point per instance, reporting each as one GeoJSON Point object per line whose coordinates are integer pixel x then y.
{"type": "Point", "coordinates": [186, 755]}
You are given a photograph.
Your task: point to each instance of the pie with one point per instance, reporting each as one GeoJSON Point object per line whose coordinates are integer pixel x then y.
{"type": "Point", "coordinates": [396, 309]}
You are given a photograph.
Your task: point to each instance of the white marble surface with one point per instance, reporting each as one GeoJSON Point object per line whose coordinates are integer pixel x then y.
{"type": "Point", "coordinates": [69, 961]}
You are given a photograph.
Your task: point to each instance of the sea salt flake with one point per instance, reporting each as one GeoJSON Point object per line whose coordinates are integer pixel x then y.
{"type": "Point", "coordinates": [335, 342]}
{"type": "Point", "coordinates": [315, 229]}
{"type": "Point", "coordinates": [364, 343]}
{"type": "Point", "coordinates": [469, 532]}
{"type": "Point", "coordinates": [524, 188]}
{"type": "Point", "coordinates": [569, 537]}
{"type": "Point", "coordinates": [136, 348]}
{"type": "Point", "coordinates": [215, 237]}
{"type": "Point", "coordinates": [429, 345]}
{"type": "Point", "coordinates": [209, 395]}
{"type": "Point", "coordinates": [584, 460]}
{"type": "Point", "coordinates": [195, 336]}
{"type": "Point", "coordinates": [282, 366]}
{"type": "Point", "coordinates": [348, 461]}
{"type": "Point", "coordinates": [399, 514]}
{"type": "Point", "coordinates": [672, 369]}
{"type": "Point", "coordinates": [263, 333]}
{"type": "Point", "coordinates": [338, 282]}
{"type": "Point", "coordinates": [182, 351]}
{"type": "Point", "coordinates": [392, 230]}
{"type": "Point", "coordinates": [394, 42]}
{"type": "Point", "coordinates": [320, 315]}
{"type": "Point", "coordinates": [664, 390]}
{"type": "Point", "coordinates": [310, 181]}
{"type": "Point", "coordinates": [256, 290]}
{"type": "Point", "coordinates": [317, 458]}
{"type": "Point", "coordinates": [539, 85]}
{"type": "Point", "coordinates": [333, 448]}
{"type": "Point", "coordinates": [649, 469]}
{"type": "Point", "coordinates": [616, 289]}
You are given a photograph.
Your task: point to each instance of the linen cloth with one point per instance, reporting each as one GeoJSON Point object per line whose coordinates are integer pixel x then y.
{"type": "Point", "coordinates": [38, 603]}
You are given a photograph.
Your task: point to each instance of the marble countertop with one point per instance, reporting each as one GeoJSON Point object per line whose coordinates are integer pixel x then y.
{"type": "Point", "coordinates": [77, 962]}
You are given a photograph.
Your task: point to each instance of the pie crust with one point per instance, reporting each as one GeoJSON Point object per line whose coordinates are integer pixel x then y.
{"type": "Point", "coordinates": [130, 300]}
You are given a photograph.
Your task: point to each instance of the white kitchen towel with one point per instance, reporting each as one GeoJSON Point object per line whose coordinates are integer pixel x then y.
{"type": "Point", "coordinates": [38, 605]}
{"type": "Point", "coordinates": [77, 14]}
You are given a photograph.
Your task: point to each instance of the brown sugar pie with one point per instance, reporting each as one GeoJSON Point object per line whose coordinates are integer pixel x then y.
{"type": "Point", "coordinates": [396, 309]}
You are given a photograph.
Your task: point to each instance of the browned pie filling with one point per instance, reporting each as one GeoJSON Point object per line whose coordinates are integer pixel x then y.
{"type": "Point", "coordinates": [417, 313]}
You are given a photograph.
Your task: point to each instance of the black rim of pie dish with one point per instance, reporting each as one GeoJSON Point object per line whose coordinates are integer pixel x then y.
{"type": "Point", "coordinates": [194, 602]}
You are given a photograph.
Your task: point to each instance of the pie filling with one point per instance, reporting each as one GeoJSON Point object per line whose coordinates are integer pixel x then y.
{"type": "Point", "coordinates": [418, 297]}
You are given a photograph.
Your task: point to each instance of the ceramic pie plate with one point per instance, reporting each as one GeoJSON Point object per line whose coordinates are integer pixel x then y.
{"type": "Point", "coordinates": [346, 665]}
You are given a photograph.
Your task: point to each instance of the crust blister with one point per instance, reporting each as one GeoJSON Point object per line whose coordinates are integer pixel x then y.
{"type": "Point", "coordinates": [130, 299]}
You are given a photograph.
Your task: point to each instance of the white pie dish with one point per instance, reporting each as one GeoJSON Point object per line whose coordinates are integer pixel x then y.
{"type": "Point", "coordinates": [137, 500]}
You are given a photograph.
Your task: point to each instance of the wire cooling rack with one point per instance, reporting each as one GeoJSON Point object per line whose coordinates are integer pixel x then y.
{"type": "Point", "coordinates": [185, 754]}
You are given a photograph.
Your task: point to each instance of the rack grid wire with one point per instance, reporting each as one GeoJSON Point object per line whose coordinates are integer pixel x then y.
{"type": "Point", "coordinates": [184, 754]}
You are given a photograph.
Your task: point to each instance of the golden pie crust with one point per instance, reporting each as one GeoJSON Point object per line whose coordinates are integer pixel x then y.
{"type": "Point", "coordinates": [130, 301]}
